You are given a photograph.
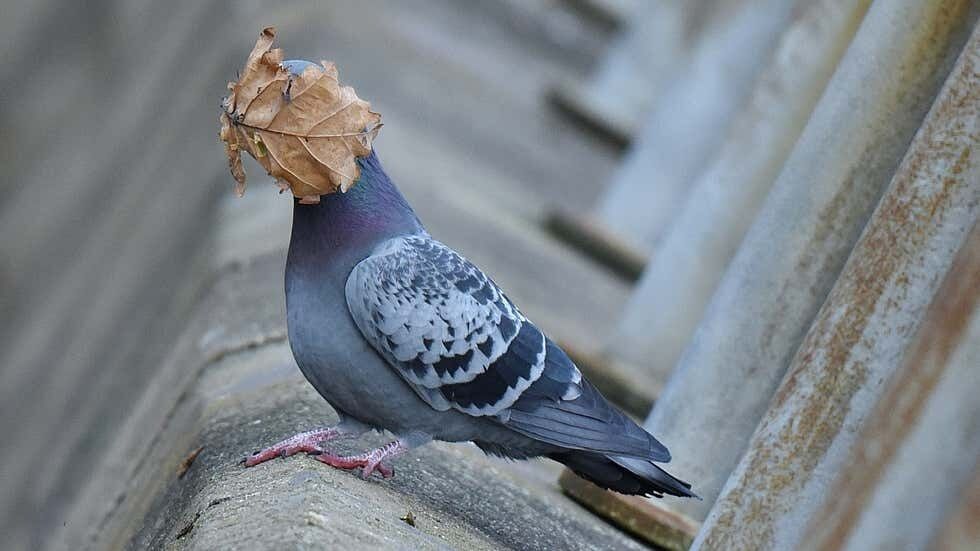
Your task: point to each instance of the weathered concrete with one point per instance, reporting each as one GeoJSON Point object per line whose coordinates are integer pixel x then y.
{"type": "Point", "coordinates": [918, 452]}
{"type": "Point", "coordinates": [640, 62]}
{"type": "Point", "coordinates": [691, 117]}
{"type": "Point", "coordinates": [104, 249]}
{"type": "Point", "coordinates": [231, 387]}
{"type": "Point", "coordinates": [795, 250]}
{"type": "Point", "coordinates": [655, 525]}
{"type": "Point", "coordinates": [459, 498]}
{"type": "Point", "coordinates": [586, 234]}
{"type": "Point", "coordinates": [243, 310]}
{"type": "Point", "coordinates": [678, 282]}
{"type": "Point", "coordinates": [858, 338]}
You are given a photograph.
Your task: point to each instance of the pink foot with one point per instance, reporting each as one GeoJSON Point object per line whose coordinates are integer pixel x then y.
{"type": "Point", "coordinates": [308, 442]}
{"type": "Point", "coordinates": [369, 462]}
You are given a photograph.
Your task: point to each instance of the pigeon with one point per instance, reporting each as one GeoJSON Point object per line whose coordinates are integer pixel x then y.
{"type": "Point", "coordinates": [400, 333]}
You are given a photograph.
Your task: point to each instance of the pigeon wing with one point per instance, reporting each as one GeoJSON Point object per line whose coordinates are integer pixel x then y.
{"type": "Point", "coordinates": [460, 343]}
{"type": "Point", "coordinates": [445, 326]}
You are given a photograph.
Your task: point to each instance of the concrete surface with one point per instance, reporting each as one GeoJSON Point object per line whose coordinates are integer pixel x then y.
{"type": "Point", "coordinates": [659, 527]}
{"type": "Point", "coordinates": [794, 251]}
{"type": "Point", "coordinates": [859, 338]}
{"type": "Point", "coordinates": [690, 117]}
{"type": "Point", "coordinates": [638, 64]}
{"type": "Point", "coordinates": [915, 462]}
{"type": "Point", "coordinates": [231, 387]}
{"type": "Point", "coordinates": [677, 284]}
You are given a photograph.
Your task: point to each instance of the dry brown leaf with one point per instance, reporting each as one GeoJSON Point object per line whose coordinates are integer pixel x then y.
{"type": "Point", "coordinates": [306, 131]}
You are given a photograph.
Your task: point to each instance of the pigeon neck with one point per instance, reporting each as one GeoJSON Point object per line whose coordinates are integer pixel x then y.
{"type": "Point", "coordinates": [347, 226]}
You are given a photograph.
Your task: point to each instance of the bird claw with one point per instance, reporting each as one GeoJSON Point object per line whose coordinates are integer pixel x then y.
{"type": "Point", "coordinates": [370, 462]}
{"type": "Point", "coordinates": [308, 442]}
{"type": "Point", "coordinates": [367, 464]}
{"type": "Point", "coordinates": [384, 470]}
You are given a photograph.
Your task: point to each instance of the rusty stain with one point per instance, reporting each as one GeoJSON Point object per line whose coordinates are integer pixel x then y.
{"type": "Point", "coordinates": [945, 23]}
{"type": "Point", "coordinates": [907, 217]}
{"type": "Point", "coordinates": [896, 413]}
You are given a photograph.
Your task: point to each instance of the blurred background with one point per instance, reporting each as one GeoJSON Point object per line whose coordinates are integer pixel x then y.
{"type": "Point", "coordinates": [734, 214]}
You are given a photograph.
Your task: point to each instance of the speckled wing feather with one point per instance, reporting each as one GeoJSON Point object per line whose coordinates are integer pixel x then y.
{"type": "Point", "coordinates": [443, 323]}
{"type": "Point", "coordinates": [460, 343]}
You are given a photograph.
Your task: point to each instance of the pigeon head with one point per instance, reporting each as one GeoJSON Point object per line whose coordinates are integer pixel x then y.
{"type": "Point", "coordinates": [371, 211]}
{"type": "Point", "coordinates": [296, 66]}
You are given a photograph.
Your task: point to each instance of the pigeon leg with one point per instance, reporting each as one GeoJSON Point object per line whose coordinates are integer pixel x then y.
{"type": "Point", "coordinates": [370, 461]}
{"type": "Point", "coordinates": [308, 442]}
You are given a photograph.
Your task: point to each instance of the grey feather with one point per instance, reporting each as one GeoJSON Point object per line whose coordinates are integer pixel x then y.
{"type": "Point", "coordinates": [441, 322]}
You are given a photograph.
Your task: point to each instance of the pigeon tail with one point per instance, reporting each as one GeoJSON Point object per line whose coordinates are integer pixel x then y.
{"type": "Point", "coordinates": [626, 475]}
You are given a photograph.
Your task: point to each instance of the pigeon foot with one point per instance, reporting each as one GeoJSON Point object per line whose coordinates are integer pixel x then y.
{"type": "Point", "coordinates": [370, 462]}
{"type": "Point", "coordinates": [308, 442]}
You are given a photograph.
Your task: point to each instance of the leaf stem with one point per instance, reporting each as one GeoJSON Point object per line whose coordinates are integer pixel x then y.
{"type": "Point", "coordinates": [307, 136]}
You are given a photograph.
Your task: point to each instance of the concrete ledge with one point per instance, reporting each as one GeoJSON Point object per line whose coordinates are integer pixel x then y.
{"type": "Point", "coordinates": [241, 310]}
{"type": "Point", "coordinates": [571, 100]}
{"type": "Point", "coordinates": [589, 237]}
{"type": "Point", "coordinates": [232, 387]}
{"type": "Point", "coordinates": [641, 517]}
{"type": "Point", "coordinates": [455, 497]}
